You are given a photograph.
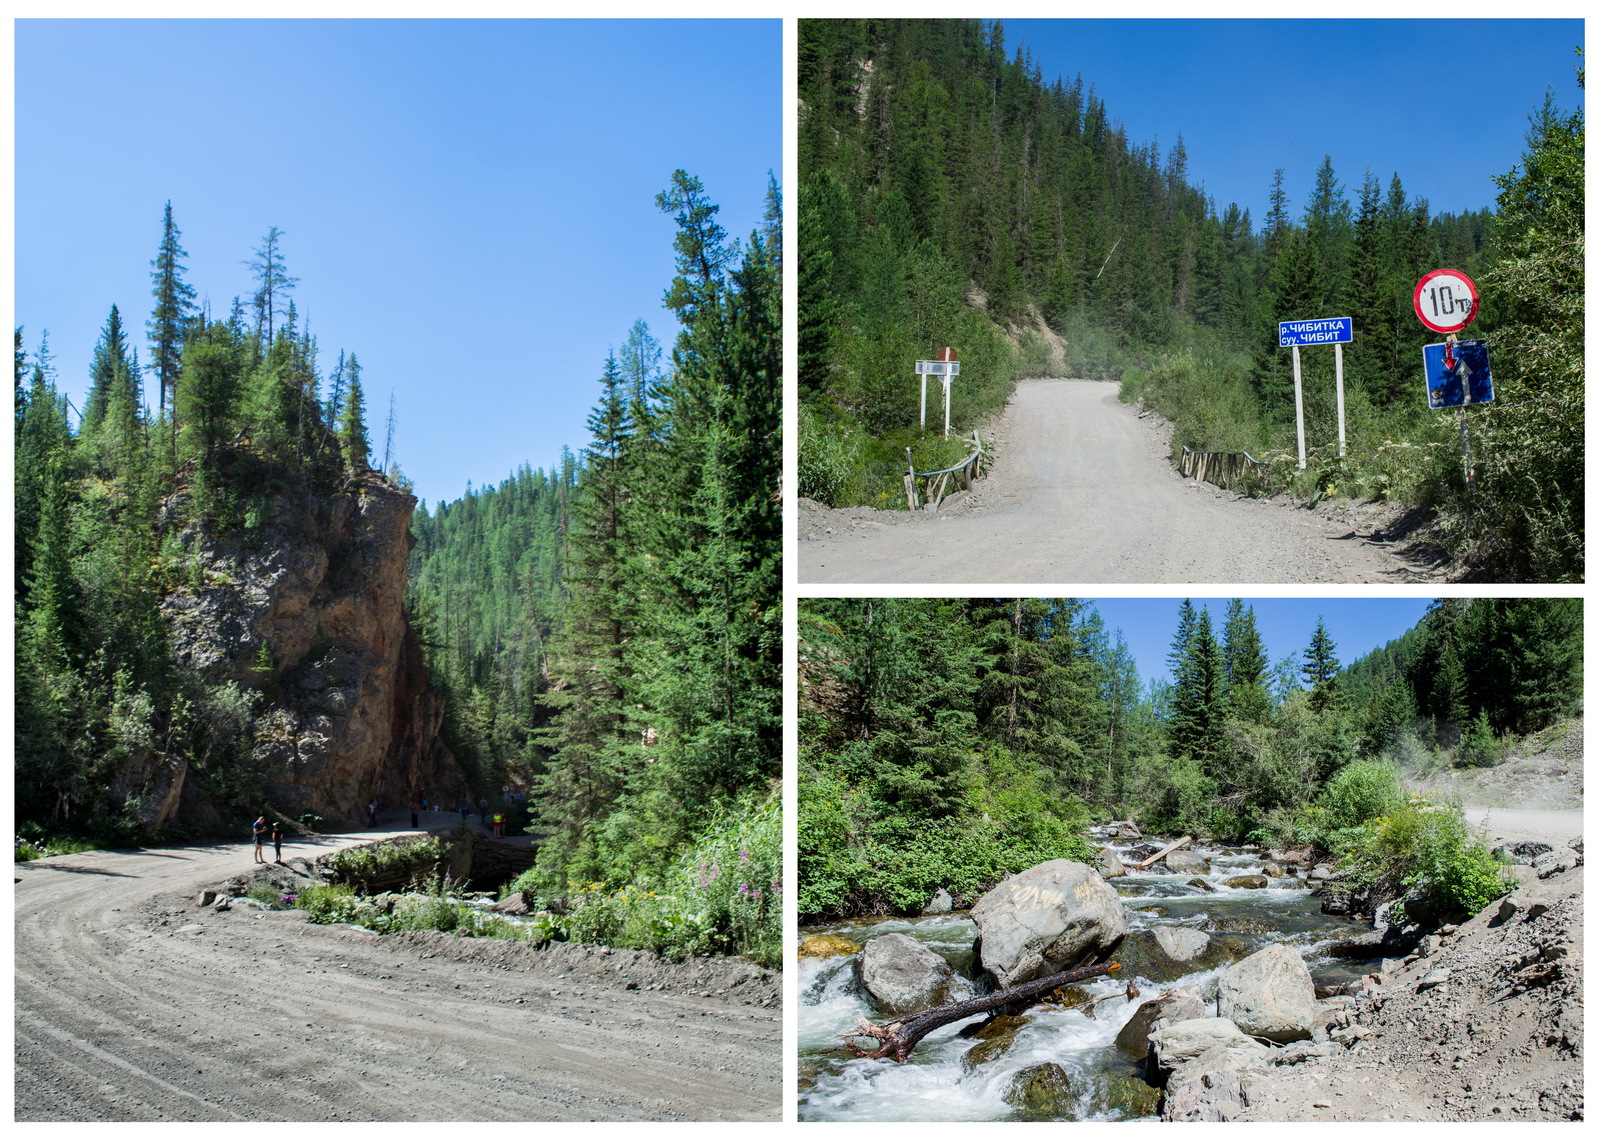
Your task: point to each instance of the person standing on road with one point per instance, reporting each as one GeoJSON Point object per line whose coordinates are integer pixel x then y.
{"type": "Point", "coordinates": [414, 806]}
{"type": "Point", "coordinates": [277, 843]}
{"type": "Point", "coordinates": [372, 814]}
{"type": "Point", "coordinates": [463, 803]}
{"type": "Point", "coordinates": [259, 830]}
{"type": "Point", "coordinates": [483, 810]}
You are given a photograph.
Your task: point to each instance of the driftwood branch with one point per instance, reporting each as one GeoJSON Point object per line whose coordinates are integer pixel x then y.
{"type": "Point", "coordinates": [1163, 853]}
{"type": "Point", "coordinates": [899, 1038]}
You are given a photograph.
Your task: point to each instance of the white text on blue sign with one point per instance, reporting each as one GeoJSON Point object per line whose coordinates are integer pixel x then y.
{"type": "Point", "coordinates": [1329, 330]}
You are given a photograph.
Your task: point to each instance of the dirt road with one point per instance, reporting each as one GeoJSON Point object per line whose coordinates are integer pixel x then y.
{"type": "Point", "coordinates": [1082, 491]}
{"type": "Point", "coordinates": [1507, 825]}
{"type": "Point", "coordinates": [134, 1003]}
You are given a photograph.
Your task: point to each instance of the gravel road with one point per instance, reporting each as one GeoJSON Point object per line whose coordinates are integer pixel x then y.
{"type": "Point", "coordinates": [134, 1003]}
{"type": "Point", "coordinates": [1082, 491]}
{"type": "Point", "coordinates": [1507, 825]}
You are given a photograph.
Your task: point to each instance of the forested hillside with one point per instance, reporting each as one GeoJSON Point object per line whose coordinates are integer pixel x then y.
{"type": "Point", "coordinates": [127, 521]}
{"type": "Point", "coordinates": [954, 195]}
{"type": "Point", "coordinates": [946, 743]}
{"type": "Point", "coordinates": [609, 632]}
{"type": "Point", "coordinates": [606, 635]}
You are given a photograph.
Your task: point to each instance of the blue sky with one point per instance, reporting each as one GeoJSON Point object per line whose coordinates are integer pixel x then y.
{"type": "Point", "coordinates": [1357, 625]}
{"type": "Point", "coordinates": [469, 205]}
{"type": "Point", "coordinates": [1443, 102]}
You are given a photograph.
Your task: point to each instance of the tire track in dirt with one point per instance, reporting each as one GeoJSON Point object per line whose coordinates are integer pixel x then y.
{"type": "Point", "coordinates": [132, 1003]}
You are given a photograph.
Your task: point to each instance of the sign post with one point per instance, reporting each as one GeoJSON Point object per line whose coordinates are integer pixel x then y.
{"type": "Point", "coordinates": [1456, 372]}
{"type": "Point", "coordinates": [1337, 331]}
{"type": "Point", "coordinates": [946, 368]}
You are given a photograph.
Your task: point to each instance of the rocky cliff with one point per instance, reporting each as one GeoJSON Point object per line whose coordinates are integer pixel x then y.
{"type": "Point", "coordinates": [304, 609]}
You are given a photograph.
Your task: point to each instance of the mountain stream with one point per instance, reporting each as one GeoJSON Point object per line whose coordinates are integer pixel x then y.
{"type": "Point", "coordinates": [952, 1078]}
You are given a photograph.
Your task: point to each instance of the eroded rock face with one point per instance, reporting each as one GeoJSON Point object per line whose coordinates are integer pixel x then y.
{"type": "Point", "coordinates": [902, 975]}
{"type": "Point", "coordinates": [1053, 917]}
{"type": "Point", "coordinates": [305, 611]}
{"type": "Point", "coordinates": [1270, 994]}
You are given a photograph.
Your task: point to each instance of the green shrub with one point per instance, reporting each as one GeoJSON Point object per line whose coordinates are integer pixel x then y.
{"type": "Point", "coordinates": [330, 903]}
{"type": "Point", "coordinates": [1479, 747]}
{"type": "Point", "coordinates": [832, 464]}
{"type": "Point", "coordinates": [1425, 845]}
{"type": "Point", "coordinates": [1358, 792]}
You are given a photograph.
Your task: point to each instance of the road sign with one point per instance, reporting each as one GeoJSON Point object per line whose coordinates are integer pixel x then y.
{"type": "Point", "coordinates": [1457, 374]}
{"type": "Point", "coordinates": [1329, 330]}
{"type": "Point", "coordinates": [938, 368]}
{"type": "Point", "coordinates": [1446, 300]}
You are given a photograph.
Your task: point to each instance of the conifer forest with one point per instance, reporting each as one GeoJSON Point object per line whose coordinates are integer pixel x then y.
{"type": "Point", "coordinates": [606, 634]}
{"type": "Point", "coordinates": [952, 194]}
{"type": "Point", "coordinates": [949, 743]}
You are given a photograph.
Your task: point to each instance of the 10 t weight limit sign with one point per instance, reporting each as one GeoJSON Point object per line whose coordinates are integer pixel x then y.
{"type": "Point", "coordinates": [1446, 300]}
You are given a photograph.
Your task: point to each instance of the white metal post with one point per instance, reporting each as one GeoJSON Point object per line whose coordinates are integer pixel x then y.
{"type": "Point", "coordinates": [924, 377]}
{"type": "Point", "coordinates": [1338, 368]}
{"type": "Point", "coordinates": [1299, 408]}
{"type": "Point", "coordinates": [946, 380]}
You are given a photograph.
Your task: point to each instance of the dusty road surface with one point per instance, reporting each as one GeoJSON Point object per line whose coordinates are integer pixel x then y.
{"type": "Point", "coordinates": [134, 1003]}
{"type": "Point", "coordinates": [1507, 825]}
{"type": "Point", "coordinates": [1082, 491]}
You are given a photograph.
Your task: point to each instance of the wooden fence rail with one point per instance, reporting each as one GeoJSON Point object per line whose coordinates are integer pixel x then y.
{"type": "Point", "coordinates": [1220, 467]}
{"type": "Point", "coordinates": [967, 469]}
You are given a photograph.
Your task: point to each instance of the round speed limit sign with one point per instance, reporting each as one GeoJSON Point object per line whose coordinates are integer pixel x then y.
{"type": "Point", "coordinates": [1446, 300]}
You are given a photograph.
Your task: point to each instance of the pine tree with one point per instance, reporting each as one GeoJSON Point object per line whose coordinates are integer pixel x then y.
{"type": "Point", "coordinates": [111, 362]}
{"type": "Point", "coordinates": [1245, 665]}
{"type": "Point", "coordinates": [1321, 669]}
{"type": "Point", "coordinates": [353, 427]}
{"type": "Point", "coordinates": [174, 314]}
{"type": "Point", "coordinates": [273, 284]}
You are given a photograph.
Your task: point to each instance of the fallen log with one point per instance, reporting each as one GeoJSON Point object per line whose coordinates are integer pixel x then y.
{"type": "Point", "coordinates": [899, 1038]}
{"type": "Point", "coordinates": [1163, 853]}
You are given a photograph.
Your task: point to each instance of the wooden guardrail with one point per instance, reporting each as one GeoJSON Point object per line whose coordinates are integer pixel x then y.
{"type": "Point", "coordinates": [967, 469]}
{"type": "Point", "coordinates": [1220, 466]}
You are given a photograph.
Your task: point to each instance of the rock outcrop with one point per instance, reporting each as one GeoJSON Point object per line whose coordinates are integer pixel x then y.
{"type": "Point", "coordinates": [303, 613]}
{"type": "Point", "coordinates": [1056, 916]}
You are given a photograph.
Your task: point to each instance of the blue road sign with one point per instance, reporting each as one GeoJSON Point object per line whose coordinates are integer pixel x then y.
{"type": "Point", "coordinates": [1329, 330]}
{"type": "Point", "coordinates": [1459, 378]}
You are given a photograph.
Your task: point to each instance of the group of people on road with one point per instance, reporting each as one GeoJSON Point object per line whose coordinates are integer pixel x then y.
{"type": "Point", "coordinates": [259, 833]}
{"type": "Point", "coordinates": [260, 830]}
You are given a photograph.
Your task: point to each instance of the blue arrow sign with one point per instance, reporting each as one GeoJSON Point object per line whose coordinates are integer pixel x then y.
{"type": "Point", "coordinates": [1329, 330]}
{"type": "Point", "coordinates": [1467, 371]}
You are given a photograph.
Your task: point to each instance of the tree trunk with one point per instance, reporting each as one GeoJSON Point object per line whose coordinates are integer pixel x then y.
{"type": "Point", "coordinates": [1163, 853]}
{"type": "Point", "coordinates": [899, 1038]}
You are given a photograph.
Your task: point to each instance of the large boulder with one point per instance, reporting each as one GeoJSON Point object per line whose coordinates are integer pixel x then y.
{"type": "Point", "coordinates": [1186, 1050]}
{"type": "Point", "coordinates": [1040, 1092]}
{"type": "Point", "coordinates": [1110, 863]}
{"type": "Point", "coordinates": [1270, 994]}
{"type": "Point", "coordinates": [1187, 863]}
{"type": "Point", "coordinates": [1056, 916]}
{"type": "Point", "coordinates": [940, 903]}
{"type": "Point", "coordinates": [1248, 882]}
{"type": "Point", "coordinates": [1180, 943]}
{"type": "Point", "coordinates": [1181, 1003]}
{"type": "Point", "coordinates": [826, 946]}
{"type": "Point", "coordinates": [902, 975]}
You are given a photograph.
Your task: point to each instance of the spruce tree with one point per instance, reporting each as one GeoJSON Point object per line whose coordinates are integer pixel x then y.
{"type": "Point", "coordinates": [1321, 669]}
{"type": "Point", "coordinates": [353, 427]}
{"type": "Point", "coordinates": [174, 314]}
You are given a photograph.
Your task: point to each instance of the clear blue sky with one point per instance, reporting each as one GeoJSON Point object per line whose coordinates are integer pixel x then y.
{"type": "Point", "coordinates": [1444, 103]}
{"type": "Point", "coordinates": [1357, 625]}
{"type": "Point", "coordinates": [469, 205]}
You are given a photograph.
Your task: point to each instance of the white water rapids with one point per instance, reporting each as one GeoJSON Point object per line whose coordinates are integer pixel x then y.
{"type": "Point", "coordinates": [1105, 1083]}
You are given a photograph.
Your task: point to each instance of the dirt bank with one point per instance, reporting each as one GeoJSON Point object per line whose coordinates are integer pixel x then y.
{"type": "Point", "coordinates": [1487, 1027]}
{"type": "Point", "coordinates": [135, 1003]}
{"type": "Point", "coordinates": [1082, 491]}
